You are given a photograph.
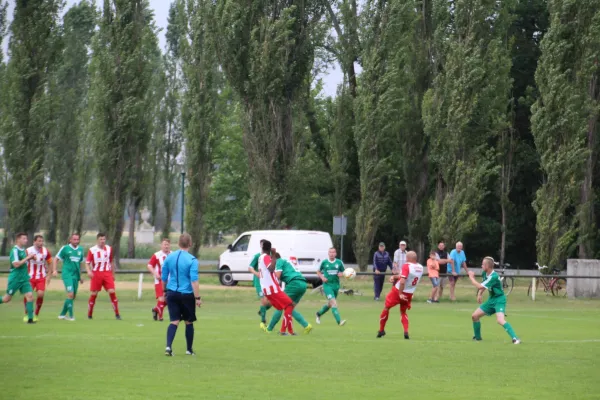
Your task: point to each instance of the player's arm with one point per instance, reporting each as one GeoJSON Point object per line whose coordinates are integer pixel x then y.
{"type": "Point", "coordinates": [194, 280]}
{"type": "Point", "coordinates": [464, 265]}
{"type": "Point", "coordinates": [165, 274]}
{"type": "Point", "coordinates": [480, 286]}
{"type": "Point", "coordinates": [341, 269]}
{"type": "Point", "coordinates": [252, 268]}
{"type": "Point", "coordinates": [88, 262]}
{"type": "Point", "coordinates": [81, 264]}
{"type": "Point", "coordinates": [152, 266]}
{"type": "Point", "coordinates": [320, 273]}
{"type": "Point", "coordinates": [19, 263]}
{"type": "Point", "coordinates": [272, 264]}
{"type": "Point", "coordinates": [55, 262]}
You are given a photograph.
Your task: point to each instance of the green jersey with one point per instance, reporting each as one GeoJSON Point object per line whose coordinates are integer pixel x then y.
{"type": "Point", "coordinates": [72, 257]}
{"type": "Point", "coordinates": [254, 262]}
{"type": "Point", "coordinates": [288, 271]}
{"type": "Point", "coordinates": [330, 269]}
{"type": "Point", "coordinates": [493, 284]}
{"type": "Point", "coordinates": [21, 273]}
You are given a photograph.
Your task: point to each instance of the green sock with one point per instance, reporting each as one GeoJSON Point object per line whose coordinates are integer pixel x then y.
{"type": "Point", "coordinates": [477, 329]}
{"type": "Point", "coordinates": [70, 307]}
{"type": "Point", "coordinates": [274, 319]}
{"type": "Point", "coordinates": [263, 313]}
{"type": "Point", "coordinates": [268, 307]}
{"type": "Point", "coordinates": [29, 307]}
{"type": "Point", "coordinates": [298, 317]}
{"type": "Point", "coordinates": [509, 330]}
{"type": "Point", "coordinates": [336, 314]}
{"type": "Point", "coordinates": [323, 310]}
{"type": "Point", "coordinates": [65, 307]}
{"type": "Point", "coordinates": [1, 300]}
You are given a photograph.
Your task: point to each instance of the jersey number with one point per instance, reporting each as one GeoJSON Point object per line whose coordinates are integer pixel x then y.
{"type": "Point", "coordinates": [414, 282]}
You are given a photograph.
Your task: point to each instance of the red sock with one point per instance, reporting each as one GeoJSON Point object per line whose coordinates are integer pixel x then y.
{"type": "Point", "coordinates": [160, 307]}
{"type": "Point", "coordinates": [25, 304]}
{"type": "Point", "coordinates": [115, 302]}
{"type": "Point", "coordinates": [404, 318]}
{"type": "Point", "coordinates": [38, 305]}
{"type": "Point", "coordinates": [287, 320]}
{"type": "Point", "coordinates": [383, 319]}
{"type": "Point", "coordinates": [91, 304]}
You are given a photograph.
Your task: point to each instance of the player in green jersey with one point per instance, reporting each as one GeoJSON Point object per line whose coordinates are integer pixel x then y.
{"type": "Point", "coordinates": [264, 303]}
{"type": "Point", "coordinates": [72, 256]}
{"type": "Point", "coordinates": [295, 288]}
{"type": "Point", "coordinates": [330, 272]}
{"type": "Point", "coordinates": [18, 278]}
{"type": "Point", "coordinates": [496, 303]}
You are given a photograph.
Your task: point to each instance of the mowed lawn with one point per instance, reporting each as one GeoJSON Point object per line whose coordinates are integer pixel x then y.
{"type": "Point", "coordinates": [109, 359]}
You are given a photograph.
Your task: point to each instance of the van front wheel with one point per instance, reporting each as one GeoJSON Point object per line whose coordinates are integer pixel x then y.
{"type": "Point", "coordinates": [316, 283]}
{"type": "Point", "coordinates": [226, 278]}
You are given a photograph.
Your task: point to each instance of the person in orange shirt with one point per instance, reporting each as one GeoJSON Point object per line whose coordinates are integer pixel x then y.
{"type": "Point", "coordinates": [433, 270]}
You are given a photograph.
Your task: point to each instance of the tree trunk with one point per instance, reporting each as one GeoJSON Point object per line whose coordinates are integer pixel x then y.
{"type": "Point", "coordinates": [51, 237]}
{"type": "Point", "coordinates": [503, 231]}
{"type": "Point", "coordinates": [132, 212]}
{"type": "Point", "coordinates": [79, 213]}
{"type": "Point", "coordinates": [168, 203]}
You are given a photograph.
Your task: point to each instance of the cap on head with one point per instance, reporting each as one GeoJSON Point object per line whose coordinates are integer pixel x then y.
{"type": "Point", "coordinates": [403, 243]}
{"type": "Point", "coordinates": [381, 244]}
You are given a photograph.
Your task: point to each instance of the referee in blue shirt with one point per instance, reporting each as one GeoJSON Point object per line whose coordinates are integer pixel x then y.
{"type": "Point", "coordinates": [180, 281]}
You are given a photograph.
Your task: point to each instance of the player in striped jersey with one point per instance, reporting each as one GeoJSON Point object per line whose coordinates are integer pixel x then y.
{"type": "Point", "coordinates": [402, 292]}
{"type": "Point", "coordinates": [155, 268]}
{"type": "Point", "coordinates": [102, 275]}
{"type": "Point", "coordinates": [38, 273]}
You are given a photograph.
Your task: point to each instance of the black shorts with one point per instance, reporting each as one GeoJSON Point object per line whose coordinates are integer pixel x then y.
{"type": "Point", "coordinates": [182, 307]}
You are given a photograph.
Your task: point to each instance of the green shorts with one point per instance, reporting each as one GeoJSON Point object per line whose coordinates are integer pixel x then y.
{"type": "Point", "coordinates": [256, 283]}
{"type": "Point", "coordinates": [494, 305]}
{"type": "Point", "coordinates": [18, 285]}
{"type": "Point", "coordinates": [295, 290]}
{"type": "Point", "coordinates": [71, 284]}
{"type": "Point", "coordinates": [330, 291]}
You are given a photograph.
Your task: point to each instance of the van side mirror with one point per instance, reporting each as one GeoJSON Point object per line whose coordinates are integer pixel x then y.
{"type": "Point", "coordinates": [229, 247]}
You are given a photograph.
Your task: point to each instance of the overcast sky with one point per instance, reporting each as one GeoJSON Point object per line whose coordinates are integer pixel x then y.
{"type": "Point", "coordinates": [161, 12]}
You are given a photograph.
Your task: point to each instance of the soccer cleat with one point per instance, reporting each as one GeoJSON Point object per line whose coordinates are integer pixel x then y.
{"type": "Point", "coordinates": [89, 317]}
{"type": "Point", "coordinates": [429, 301]}
{"type": "Point", "coordinates": [118, 317]}
{"type": "Point", "coordinates": [190, 353]}
{"type": "Point", "coordinates": [283, 334]}
{"type": "Point", "coordinates": [516, 341]}
{"type": "Point", "coordinates": [30, 321]}
{"type": "Point", "coordinates": [318, 318]}
{"type": "Point", "coordinates": [70, 318]}
{"type": "Point", "coordinates": [263, 326]}
{"type": "Point", "coordinates": [406, 335]}
{"type": "Point", "coordinates": [62, 317]}
{"type": "Point", "coordinates": [308, 329]}
{"type": "Point", "coordinates": [380, 334]}
{"type": "Point", "coordinates": [168, 352]}
{"type": "Point", "coordinates": [293, 334]}
{"type": "Point", "coordinates": [154, 314]}
{"type": "Point", "coordinates": [343, 322]}
{"type": "Point", "coordinates": [25, 318]}
{"type": "Point", "coordinates": [35, 318]}
{"type": "Point", "coordinates": [475, 338]}
{"type": "Point", "coordinates": [376, 299]}
{"type": "Point", "coordinates": [160, 320]}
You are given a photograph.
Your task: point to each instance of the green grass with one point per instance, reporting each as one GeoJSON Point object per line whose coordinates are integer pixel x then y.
{"type": "Point", "coordinates": [109, 359]}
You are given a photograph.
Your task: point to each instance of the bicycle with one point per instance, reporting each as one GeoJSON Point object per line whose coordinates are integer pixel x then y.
{"type": "Point", "coordinates": [508, 282]}
{"type": "Point", "coordinates": [556, 285]}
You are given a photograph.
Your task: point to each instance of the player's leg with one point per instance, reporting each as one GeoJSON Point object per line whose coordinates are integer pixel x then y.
{"type": "Point", "coordinates": [41, 290]}
{"type": "Point", "coordinates": [443, 282]}
{"type": "Point", "coordinates": [158, 311]}
{"type": "Point", "coordinates": [296, 291]}
{"type": "Point", "coordinates": [95, 287]}
{"type": "Point", "coordinates": [109, 286]}
{"type": "Point", "coordinates": [501, 319]}
{"type": "Point", "coordinates": [334, 308]}
{"type": "Point", "coordinates": [475, 317]}
{"type": "Point", "coordinates": [329, 294]}
{"type": "Point", "coordinates": [175, 313]}
{"type": "Point", "coordinates": [68, 304]}
{"type": "Point", "coordinates": [391, 300]}
{"type": "Point", "coordinates": [26, 288]}
{"type": "Point", "coordinates": [10, 291]}
{"type": "Point", "coordinates": [189, 316]}
{"type": "Point", "coordinates": [404, 307]}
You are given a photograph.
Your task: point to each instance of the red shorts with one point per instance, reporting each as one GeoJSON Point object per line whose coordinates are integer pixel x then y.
{"type": "Point", "coordinates": [158, 289]}
{"type": "Point", "coordinates": [101, 280]}
{"type": "Point", "coordinates": [279, 300]}
{"type": "Point", "coordinates": [38, 284]}
{"type": "Point", "coordinates": [393, 299]}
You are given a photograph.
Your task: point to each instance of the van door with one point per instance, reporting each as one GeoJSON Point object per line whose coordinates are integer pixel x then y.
{"type": "Point", "coordinates": [239, 258]}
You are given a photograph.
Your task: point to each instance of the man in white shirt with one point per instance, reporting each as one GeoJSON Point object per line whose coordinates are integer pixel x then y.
{"type": "Point", "coordinates": [400, 257]}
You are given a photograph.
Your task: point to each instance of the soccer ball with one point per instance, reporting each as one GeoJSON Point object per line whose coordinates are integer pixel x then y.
{"type": "Point", "coordinates": [349, 273]}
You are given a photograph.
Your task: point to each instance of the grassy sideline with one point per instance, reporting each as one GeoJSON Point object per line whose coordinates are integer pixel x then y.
{"type": "Point", "coordinates": [109, 359]}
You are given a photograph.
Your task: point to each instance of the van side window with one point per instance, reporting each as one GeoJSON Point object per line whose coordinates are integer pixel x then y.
{"type": "Point", "coordinates": [242, 244]}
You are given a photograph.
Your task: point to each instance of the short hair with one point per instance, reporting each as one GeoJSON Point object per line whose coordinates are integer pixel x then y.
{"type": "Point", "coordinates": [165, 240]}
{"type": "Point", "coordinates": [332, 248]}
{"type": "Point", "coordinates": [75, 234]}
{"type": "Point", "coordinates": [433, 251]}
{"type": "Point", "coordinates": [100, 234]}
{"type": "Point", "coordinates": [185, 241]}
{"type": "Point", "coordinates": [441, 241]}
{"type": "Point", "coordinates": [261, 241]}
{"type": "Point", "coordinates": [18, 235]}
{"type": "Point", "coordinates": [36, 237]}
{"type": "Point", "coordinates": [490, 261]}
{"type": "Point", "coordinates": [266, 246]}
{"type": "Point", "coordinates": [277, 255]}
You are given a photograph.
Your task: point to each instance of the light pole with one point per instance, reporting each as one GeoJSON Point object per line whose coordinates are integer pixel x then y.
{"type": "Point", "coordinates": [182, 200]}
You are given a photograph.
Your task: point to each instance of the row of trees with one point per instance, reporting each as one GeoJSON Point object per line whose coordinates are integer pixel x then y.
{"type": "Point", "coordinates": [471, 120]}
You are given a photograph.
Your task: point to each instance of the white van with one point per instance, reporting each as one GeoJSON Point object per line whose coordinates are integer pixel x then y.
{"type": "Point", "coordinates": [305, 249]}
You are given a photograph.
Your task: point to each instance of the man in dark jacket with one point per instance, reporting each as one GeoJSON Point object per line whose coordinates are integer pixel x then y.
{"type": "Point", "coordinates": [381, 262]}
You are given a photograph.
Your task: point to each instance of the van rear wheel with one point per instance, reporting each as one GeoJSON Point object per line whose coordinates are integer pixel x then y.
{"type": "Point", "coordinates": [226, 278]}
{"type": "Point", "coordinates": [316, 283]}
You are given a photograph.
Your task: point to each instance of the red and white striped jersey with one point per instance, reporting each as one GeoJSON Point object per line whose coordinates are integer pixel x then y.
{"type": "Point", "coordinates": [100, 259]}
{"type": "Point", "coordinates": [37, 265]}
{"type": "Point", "coordinates": [412, 273]}
{"type": "Point", "coordinates": [268, 281]}
{"type": "Point", "coordinates": [156, 262]}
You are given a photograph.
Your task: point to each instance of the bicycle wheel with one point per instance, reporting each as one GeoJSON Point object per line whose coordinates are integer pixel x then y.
{"type": "Point", "coordinates": [559, 287]}
{"type": "Point", "coordinates": [508, 283]}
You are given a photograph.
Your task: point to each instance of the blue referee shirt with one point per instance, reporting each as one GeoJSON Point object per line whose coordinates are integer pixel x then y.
{"type": "Point", "coordinates": [179, 270]}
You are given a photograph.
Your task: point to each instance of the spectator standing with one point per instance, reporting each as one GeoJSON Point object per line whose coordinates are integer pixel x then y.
{"type": "Point", "coordinates": [381, 262]}
{"type": "Point", "coordinates": [433, 270]}
{"type": "Point", "coordinates": [400, 256]}
{"type": "Point", "coordinates": [459, 260]}
{"type": "Point", "coordinates": [444, 260]}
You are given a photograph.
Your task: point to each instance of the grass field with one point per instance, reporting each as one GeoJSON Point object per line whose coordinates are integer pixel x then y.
{"type": "Point", "coordinates": [109, 359]}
